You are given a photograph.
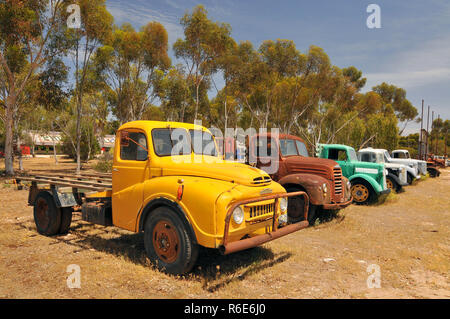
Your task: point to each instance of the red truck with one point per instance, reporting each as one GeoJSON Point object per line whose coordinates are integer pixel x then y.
{"type": "Point", "coordinates": [321, 179]}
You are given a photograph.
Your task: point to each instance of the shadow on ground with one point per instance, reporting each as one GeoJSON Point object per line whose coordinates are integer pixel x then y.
{"type": "Point", "coordinates": [212, 269]}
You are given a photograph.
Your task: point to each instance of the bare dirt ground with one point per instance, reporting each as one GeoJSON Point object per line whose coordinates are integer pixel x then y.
{"type": "Point", "coordinates": [408, 238]}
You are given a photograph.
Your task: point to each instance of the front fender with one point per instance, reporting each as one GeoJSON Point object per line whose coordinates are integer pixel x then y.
{"type": "Point", "coordinates": [396, 179]}
{"type": "Point", "coordinates": [375, 185]}
{"type": "Point", "coordinates": [412, 171]}
{"type": "Point", "coordinates": [312, 184]}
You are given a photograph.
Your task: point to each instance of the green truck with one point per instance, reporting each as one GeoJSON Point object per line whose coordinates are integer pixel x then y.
{"type": "Point", "coordinates": [368, 179]}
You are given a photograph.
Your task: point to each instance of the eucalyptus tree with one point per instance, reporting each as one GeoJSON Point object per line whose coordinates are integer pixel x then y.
{"type": "Point", "coordinates": [82, 43]}
{"type": "Point", "coordinates": [25, 28]}
{"type": "Point", "coordinates": [204, 43]}
{"type": "Point", "coordinates": [130, 62]}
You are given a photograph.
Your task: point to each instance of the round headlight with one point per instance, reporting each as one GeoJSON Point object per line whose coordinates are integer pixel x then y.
{"type": "Point", "coordinates": [283, 204]}
{"type": "Point", "coordinates": [238, 215]}
{"type": "Point", "coordinates": [325, 188]}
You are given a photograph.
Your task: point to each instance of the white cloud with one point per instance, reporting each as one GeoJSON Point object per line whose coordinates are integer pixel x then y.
{"type": "Point", "coordinates": [426, 64]}
{"type": "Point", "coordinates": [140, 15]}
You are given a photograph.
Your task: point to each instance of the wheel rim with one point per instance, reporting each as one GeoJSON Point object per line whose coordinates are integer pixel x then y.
{"type": "Point", "coordinates": [360, 193]}
{"type": "Point", "coordinates": [42, 213]}
{"type": "Point", "coordinates": [166, 241]}
{"type": "Point", "coordinates": [389, 184]}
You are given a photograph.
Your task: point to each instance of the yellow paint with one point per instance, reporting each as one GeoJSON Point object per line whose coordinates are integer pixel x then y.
{"type": "Point", "coordinates": [211, 186]}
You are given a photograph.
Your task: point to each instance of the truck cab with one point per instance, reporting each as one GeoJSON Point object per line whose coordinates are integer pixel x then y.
{"type": "Point", "coordinates": [321, 179]}
{"type": "Point", "coordinates": [415, 168]}
{"type": "Point", "coordinates": [368, 180]}
{"type": "Point", "coordinates": [397, 173]}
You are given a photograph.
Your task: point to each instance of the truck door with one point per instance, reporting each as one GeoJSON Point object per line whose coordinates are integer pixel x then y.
{"type": "Point", "coordinates": [341, 157]}
{"type": "Point", "coordinates": [130, 171]}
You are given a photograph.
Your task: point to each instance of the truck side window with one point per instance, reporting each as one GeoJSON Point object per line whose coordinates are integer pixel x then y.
{"type": "Point", "coordinates": [262, 148]}
{"type": "Point", "coordinates": [136, 150]}
{"type": "Point", "coordinates": [368, 157]}
{"type": "Point", "coordinates": [337, 155]}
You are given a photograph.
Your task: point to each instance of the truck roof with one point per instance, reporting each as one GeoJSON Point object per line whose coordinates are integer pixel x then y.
{"type": "Point", "coordinates": [281, 136]}
{"type": "Point", "coordinates": [149, 125]}
{"type": "Point", "coordinates": [375, 150]}
{"type": "Point", "coordinates": [336, 145]}
{"type": "Point", "coordinates": [394, 151]}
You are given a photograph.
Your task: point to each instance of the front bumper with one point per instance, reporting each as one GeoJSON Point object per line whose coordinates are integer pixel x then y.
{"type": "Point", "coordinates": [228, 248]}
{"type": "Point", "coordinates": [338, 205]}
{"type": "Point", "coordinates": [385, 192]}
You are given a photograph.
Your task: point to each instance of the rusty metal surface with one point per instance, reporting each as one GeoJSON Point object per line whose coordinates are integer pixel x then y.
{"type": "Point", "coordinates": [338, 205]}
{"type": "Point", "coordinates": [307, 172]}
{"type": "Point", "coordinates": [248, 242]}
{"type": "Point", "coordinates": [61, 182]}
{"type": "Point", "coordinates": [261, 239]}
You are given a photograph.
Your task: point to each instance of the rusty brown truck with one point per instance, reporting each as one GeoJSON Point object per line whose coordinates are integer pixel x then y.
{"type": "Point", "coordinates": [321, 179]}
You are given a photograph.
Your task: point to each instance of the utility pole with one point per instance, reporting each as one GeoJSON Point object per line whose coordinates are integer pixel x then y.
{"type": "Point", "coordinates": [420, 135]}
{"type": "Point", "coordinates": [428, 124]}
{"type": "Point", "coordinates": [437, 137]}
{"type": "Point", "coordinates": [432, 126]}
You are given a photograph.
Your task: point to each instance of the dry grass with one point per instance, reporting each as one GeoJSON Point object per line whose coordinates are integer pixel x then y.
{"type": "Point", "coordinates": [408, 237]}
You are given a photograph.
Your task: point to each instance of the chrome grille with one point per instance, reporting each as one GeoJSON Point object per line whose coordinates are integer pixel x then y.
{"type": "Point", "coordinates": [261, 210]}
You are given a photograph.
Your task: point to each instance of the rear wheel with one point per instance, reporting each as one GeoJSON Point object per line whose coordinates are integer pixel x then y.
{"type": "Point", "coordinates": [295, 208]}
{"type": "Point", "coordinates": [168, 243]}
{"type": "Point", "coordinates": [66, 219]}
{"type": "Point", "coordinates": [362, 192]}
{"type": "Point", "coordinates": [47, 216]}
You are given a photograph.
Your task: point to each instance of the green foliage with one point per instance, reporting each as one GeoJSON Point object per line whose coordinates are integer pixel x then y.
{"type": "Point", "coordinates": [89, 146]}
{"type": "Point", "coordinates": [105, 162]}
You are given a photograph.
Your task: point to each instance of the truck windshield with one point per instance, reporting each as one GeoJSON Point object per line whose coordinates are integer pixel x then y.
{"type": "Point", "coordinates": [380, 158]}
{"type": "Point", "coordinates": [167, 142]}
{"type": "Point", "coordinates": [352, 154]}
{"type": "Point", "coordinates": [288, 147]}
{"type": "Point", "coordinates": [203, 143]}
{"type": "Point", "coordinates": [291, 147]}
{"type": "Point", "coordinates": [303, 151]}
{"type": "Point", "coordinates": [387, 156]}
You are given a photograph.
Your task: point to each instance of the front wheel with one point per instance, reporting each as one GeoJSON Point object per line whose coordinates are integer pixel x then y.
{"type": "Point", "coordinates": [295, 208]}
{"type": "Point", "coordinates": [168, 243]}
{"type": "Point", "coordinates": [362, 193]}
{"type": "Point", "coordinates": [392, 184]}
{"type": "Point", "coordinates": [410, 178]}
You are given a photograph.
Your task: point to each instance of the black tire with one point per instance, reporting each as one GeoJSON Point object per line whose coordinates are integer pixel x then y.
{"type": "Point", "coordinates": [410, 178]}
{"type": "Point", "coordinates": [66, 220]}
{"type": "Point", "coordinates": [47, 216]}
{"type": "Point", "coordinates": [295, 208]}
{"type": "Point", "coordinates": [395, 186]}
{"type": "Point", "coordinates": [363, 187]}
{"type": "Point", "coordinates": [176, 251]}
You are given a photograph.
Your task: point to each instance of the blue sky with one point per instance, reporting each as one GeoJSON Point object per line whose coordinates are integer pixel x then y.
{"type": "Point", "coordinates": [411, 50]}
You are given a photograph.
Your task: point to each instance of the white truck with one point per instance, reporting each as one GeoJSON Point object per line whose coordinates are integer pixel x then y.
{"type": "Point", "coordinates": [414, 167]}
{"type": "Point", "coordinates": [424, 166]}
{"type": "Point", "coordinates": [404, 154]}
{"type": "Point", "coordinates": [397, 175]}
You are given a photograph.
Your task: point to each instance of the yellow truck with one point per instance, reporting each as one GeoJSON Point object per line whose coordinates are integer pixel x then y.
{"type": "Point", "coordinates": [169, 182]}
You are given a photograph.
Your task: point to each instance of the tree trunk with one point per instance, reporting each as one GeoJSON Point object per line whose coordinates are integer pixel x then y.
{"type": "Point", "coordinates": [9, 160]}
{"type": "Point", "coordinates": [79, 134]}
{"type": "Point", "coordinates": [196, 101]}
